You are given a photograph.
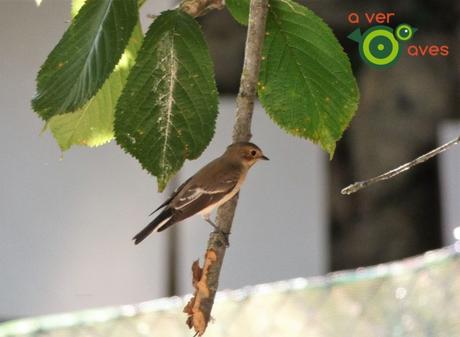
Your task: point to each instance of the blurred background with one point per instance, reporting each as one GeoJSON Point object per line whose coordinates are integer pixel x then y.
{"type": "Point", "coordinates": [66, 220]}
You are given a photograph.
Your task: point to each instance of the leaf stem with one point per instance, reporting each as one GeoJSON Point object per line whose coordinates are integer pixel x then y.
{"type": "Point", "coordinates": [394, 172]}
{"type": "Point", "coordinates": [206, 282]}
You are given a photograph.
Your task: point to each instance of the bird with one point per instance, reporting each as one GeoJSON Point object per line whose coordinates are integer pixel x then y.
{"type": "Point", "coordinates": [207, 189]}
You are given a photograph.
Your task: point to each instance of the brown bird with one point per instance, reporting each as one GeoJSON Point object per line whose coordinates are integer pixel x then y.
{"type": "Point", "coordinates": [210, 187]}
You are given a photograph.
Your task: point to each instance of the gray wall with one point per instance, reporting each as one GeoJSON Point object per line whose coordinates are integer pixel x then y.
{"type": "Point", "coordinates": [450, 183]}
{"type": "Point", "coordinates": [66, 225]}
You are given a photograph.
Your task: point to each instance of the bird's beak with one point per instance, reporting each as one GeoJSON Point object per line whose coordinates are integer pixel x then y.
{"type": "Point", "coordinates": [264, 157]}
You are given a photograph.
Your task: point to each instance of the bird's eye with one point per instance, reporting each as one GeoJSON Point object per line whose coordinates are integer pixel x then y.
{"type": "Point", "coordinates": [253, 153]}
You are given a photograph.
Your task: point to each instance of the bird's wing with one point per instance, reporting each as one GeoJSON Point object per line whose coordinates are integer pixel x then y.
{"type": "Point", "coordinates": [167, 201]}
{"type": "Point", "coordinates": [193, 198]}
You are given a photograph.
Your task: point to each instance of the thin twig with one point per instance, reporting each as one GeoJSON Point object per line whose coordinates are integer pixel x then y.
{"type": "Point", "coordinates": [390, 174]}
{"type": "Point", "coordinates": [206, 280]}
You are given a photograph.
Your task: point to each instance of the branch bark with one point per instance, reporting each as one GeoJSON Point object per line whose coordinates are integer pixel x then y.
{"type": "Point", "coordinates": [198, 8]}
{"type": "Point", "coordinates": [206, 279]}
{"type": "Point", "coordinates": [390, 174]}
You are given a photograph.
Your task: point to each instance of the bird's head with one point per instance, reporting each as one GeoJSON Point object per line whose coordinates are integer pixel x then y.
{"type": "Point", "coordinates": [247, 153]}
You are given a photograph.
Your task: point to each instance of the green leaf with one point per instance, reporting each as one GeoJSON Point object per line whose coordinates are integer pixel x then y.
{"type": "Point", "coordinates": [239, 10]}
{"type": "Point", "coordinates": [306, 84]}
{"type": "Point", "coordinates": [85, 57]}
{"type": "Point", "coordinates": [140, 3]}
{"type": "Point", "coordinates": [168, 109]}
{"type": "Point", "coordinates": [76, 6]}
{"type": "Point", "coordinates": [92, 125]}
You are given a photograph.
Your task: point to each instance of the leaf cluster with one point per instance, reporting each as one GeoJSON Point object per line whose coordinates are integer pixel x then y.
{"type": "Point", "coordinates": [157, 96]}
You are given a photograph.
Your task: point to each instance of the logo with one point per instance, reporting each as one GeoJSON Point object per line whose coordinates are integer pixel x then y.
{"type": "Point", "coordinates": [379, 46]}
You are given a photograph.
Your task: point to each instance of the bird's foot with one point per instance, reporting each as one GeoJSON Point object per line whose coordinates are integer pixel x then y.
{"type": "Point", "coordinates": [220, 231]}
{"type": "Point", "coordinates": [225, 235]}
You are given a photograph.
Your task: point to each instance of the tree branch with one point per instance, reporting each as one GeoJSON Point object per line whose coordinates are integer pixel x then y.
{"type": "Point", "coordinates": [390, 174]}
{"type": "Point", "coordinates": [206, 280]}
{"type": "Point", "coordinates": [193, 8]}
{"type": "Point", "coordinates": [197, 8]}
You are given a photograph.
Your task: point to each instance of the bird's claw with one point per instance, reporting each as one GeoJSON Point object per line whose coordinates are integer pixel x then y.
{"type": "Point", "coordinates": [225, 235]}
{"type": "Point", "coordinates": [219, 231]}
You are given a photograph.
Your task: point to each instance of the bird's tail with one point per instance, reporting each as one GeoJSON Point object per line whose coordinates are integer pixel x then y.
{"type": "Point", "coordinates": [161, 222]}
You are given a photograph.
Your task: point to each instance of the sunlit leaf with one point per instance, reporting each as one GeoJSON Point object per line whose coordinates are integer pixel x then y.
{"type": "Point", "coordinates": [76, 6]}
{"type": "Point", "coordinates": [85, 56]}
{"type": "Point", "coordinates": [92, 125]}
